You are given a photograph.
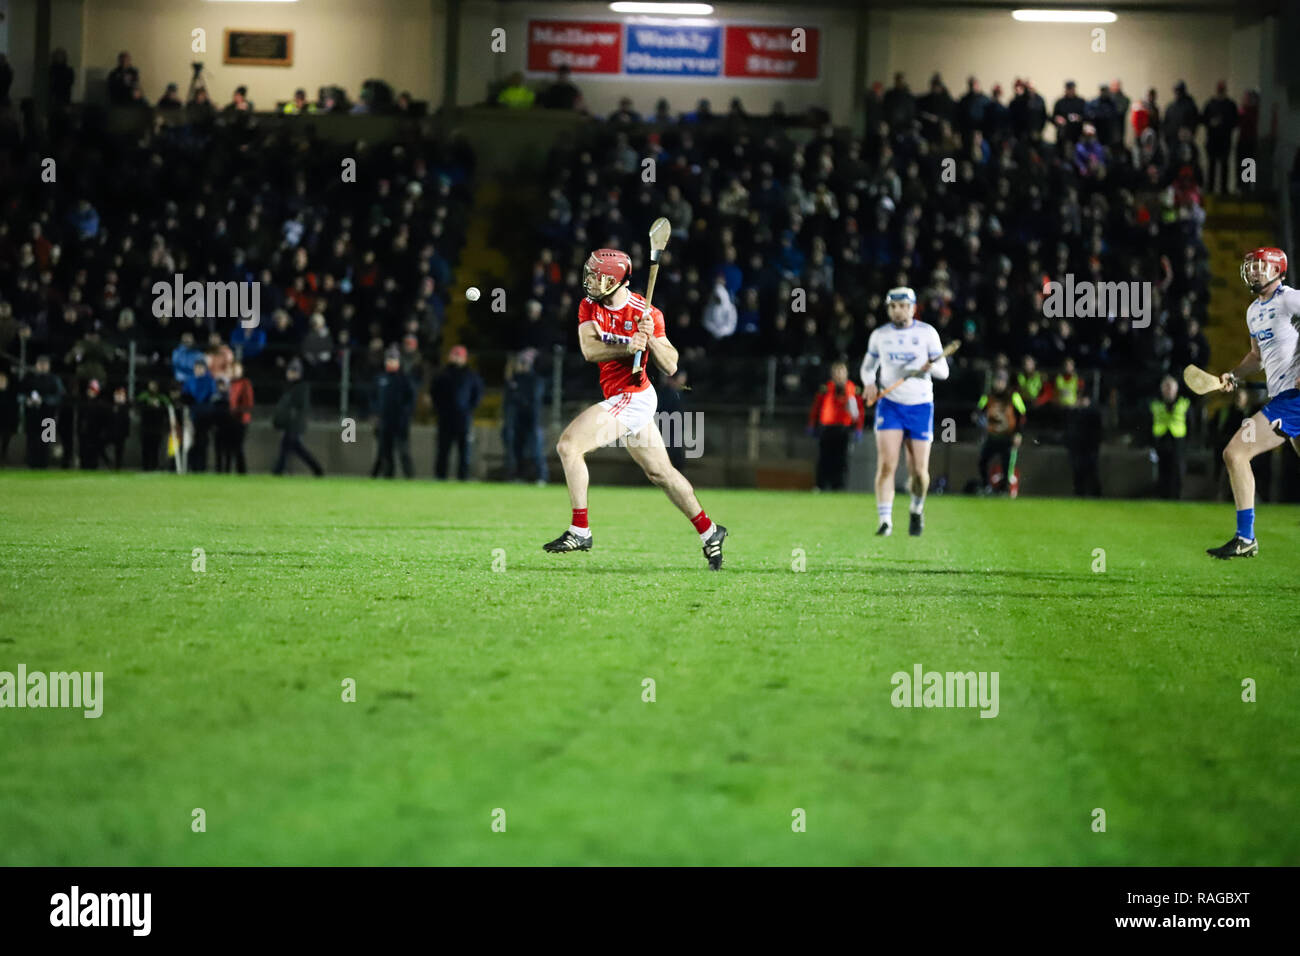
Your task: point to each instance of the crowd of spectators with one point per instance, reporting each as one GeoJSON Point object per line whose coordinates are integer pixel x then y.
{"type": "Point", "coordinates": [785, 240]}
{"type": "Point", "coordinates": [347, 266]}
{"type": "Point", "coordinates": [124, 88]}
{"type": "Point", "coordinates": [786, 233]}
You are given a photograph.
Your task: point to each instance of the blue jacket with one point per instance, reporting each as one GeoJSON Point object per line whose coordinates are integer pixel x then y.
{"type": "Point", "coordinates": [201, 390]}
{"type": "Point", "coordinates": [183, 359]}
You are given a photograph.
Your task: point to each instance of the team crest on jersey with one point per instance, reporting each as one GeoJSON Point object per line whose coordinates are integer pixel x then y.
{"type": "Point", "coordinates": [627, 325]}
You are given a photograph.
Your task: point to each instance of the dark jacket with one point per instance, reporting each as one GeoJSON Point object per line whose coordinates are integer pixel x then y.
{"type": "Point", "coordinates": [153, 407]}
{"type": "Point", "coordinates": [49, 386]}
{"type": "Point", "coordinates": [524, 393]}
{"type": "Point", "coordinates": [1181, 112]}
{"type": "Point", "coordinates": [394, 400]}
{"type": "Point", "coordinates": [1220, 120]}
{"type": "Point", "coordinates": [9, 409]}
{"type": "Point", "coordinates": [292, 409]}
{"type": "Point", "coordinates": [456, 391]}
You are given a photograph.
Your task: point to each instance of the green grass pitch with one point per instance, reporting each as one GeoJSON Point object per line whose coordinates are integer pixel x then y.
{"type": "Point", "coordinates": [522, 688]}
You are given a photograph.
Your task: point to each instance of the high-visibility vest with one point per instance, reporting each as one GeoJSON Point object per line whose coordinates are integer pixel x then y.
{"type": "Point", "coordinates": [1067, 390]}
{"type": "Point", "coordinates": [829, 409]}
{"type": "Point", "coordinates": [516, 97]}
{"type": "Point", "coordinates": [1030, 385]}
{"type": "Point", "coordinates": [1172, 420]}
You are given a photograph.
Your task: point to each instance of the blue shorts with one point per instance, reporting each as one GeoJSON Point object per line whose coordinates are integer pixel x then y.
{"type": "Point", "coordinates": [1283, 412]}
{"type": "Point", "coordinates": [916, 421]}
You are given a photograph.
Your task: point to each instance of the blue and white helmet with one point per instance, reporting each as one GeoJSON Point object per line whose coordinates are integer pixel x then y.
{"type": "Point", "coordinates": [901, 294]}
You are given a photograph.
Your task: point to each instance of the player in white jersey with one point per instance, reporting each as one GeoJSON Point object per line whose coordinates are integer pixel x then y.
{"type": "Point", "coordinates": [906, 349]}
{"type": "Point", "coordinates": [1274, 323]}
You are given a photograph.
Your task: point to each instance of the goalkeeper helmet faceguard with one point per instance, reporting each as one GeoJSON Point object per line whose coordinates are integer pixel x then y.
{"type": "Point", "coordinates": [605, 271]}
{"type": "Point", "coordinates": [1261, 267]}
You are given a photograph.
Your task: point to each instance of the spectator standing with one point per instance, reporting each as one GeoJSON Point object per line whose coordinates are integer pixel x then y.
{"type": "Point", "coordinates": [456, 391]}
{"type": "Point", "coordinates": [93, 426]}
{"type": "Point", "coordinates": [290, 417]}
{"type": "Point", "coordinates": [6, 81]}
{"type": "Point", "coordinates": [1248, 131]}
{"type": "Point", "coordinates": [123, 81]}
{"type": "Point", "coordinates": [672, 403]}
{"type": "Point", "coordinates": [521, 429]}
{"type": "Point", "coordinates": [241, 414]}
{"type": "Point", "coordinates": [1105, 117]}
{"type": "Point", "coordinates": [171, 98]}
{"type": "Point", "coordinates": [298, 104]}
{"type": "Point", "coordinates": [239, 102]}
{"type": "Point", "coordinates": [837, 414]}
{"type": "Point", "coordinates": [62, 78]}
{"type": "Point", "coordinates": [1181, 114]}
{"type": "Point", "coordinates": [562, 94]}
{"type": "Point", "coordinates": [199, 394]}
{"type": "Point", "coordinates": [119, 429]}
{"type": "Point", "coordinates": [899, 106]}
{"type": "Point", "coordinates": [515, 95]}
{"type": "Point", "coordinates": [1029, 381]}
{"type": "Point", "coordinates": [1067, 114]}
{"type": "Point", "coordinates": [9, 414]}
{"type": "Point", "coordinates": [44, 400]}
{"type": "Point", "coordinates": [1122, 104]}
{"type": "Point", "coordinates": [1002, 412]}
{"type": "Point", "coordinates": [1083, 442]}
{"type": "Point", "coordinates": [972, 111]}
{"type": "Point", "coordinates": [935, 109]}
{"type": "Point", "coordinates": [1220, 119]}
{"type": "Point", "coordinates": [1146, 115]}
{"type": "Point", "coordinates": [155, 424]}
{"type": "Point", "coordinates": [221, 422]}
{"type": "Point", "coordinates": [1169, 437]}
{"type": "Point", "coordinates": [394, 405]}
{"type": "Point", "coordinates": [184, 357]}
{"type": "Point", "coordinates": [1028, 110]}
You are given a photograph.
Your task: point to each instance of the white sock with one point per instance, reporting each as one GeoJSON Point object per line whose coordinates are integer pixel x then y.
{"type": "Point", "coordinates": [886, 513]}
{"type": "Point", "coordinates": [580, 532]}
{"type": "Point", "coordinates": [704, 535]}
{"type": "Point", "coordinates": [918, 504]}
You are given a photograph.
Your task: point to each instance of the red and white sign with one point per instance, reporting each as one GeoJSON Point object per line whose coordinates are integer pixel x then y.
{"type": "Point", "coordinates": [583, 46]}
{"type": "Point", "coordinates": [769, 53]}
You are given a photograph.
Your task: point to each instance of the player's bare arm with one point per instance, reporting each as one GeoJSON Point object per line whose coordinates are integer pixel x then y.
{"type": "Point", "coordinates": [595, 349]}
{"type": "Point", "coordinates": [1249, 365]}
{"type": "Point", "coordinates": [661, 350]}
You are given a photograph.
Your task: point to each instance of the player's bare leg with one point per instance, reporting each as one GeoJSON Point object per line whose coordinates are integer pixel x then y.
{"type": "Point", "coordinates": [647, 449]}
{"type": "Point", "coordinates": [587, 432]}
{"type": "Point", "coordinates": [918, 480]}
{"type": "Point", "coordinates": [1236, 458]}
{"type": "Point", "coordinates": [888, 444]}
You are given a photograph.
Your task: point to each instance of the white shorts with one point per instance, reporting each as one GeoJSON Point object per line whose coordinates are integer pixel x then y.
{"type": "Point", "coordinates": [630, 412]}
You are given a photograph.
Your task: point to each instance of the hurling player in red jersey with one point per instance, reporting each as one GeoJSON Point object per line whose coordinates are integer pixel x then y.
{"type": "Point", "coordinates": [614, 323]}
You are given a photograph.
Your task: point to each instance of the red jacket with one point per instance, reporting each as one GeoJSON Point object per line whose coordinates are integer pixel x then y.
{"type": "Point", "coordinates": [831, 409]}
{"type": "Point", "coordinates": [241, 400]}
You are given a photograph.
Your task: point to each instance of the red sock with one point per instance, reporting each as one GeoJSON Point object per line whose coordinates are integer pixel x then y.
{"type": "Point", "coordinates": [580, 517]}
{"type": "Point", "coordinates": [701, 522]}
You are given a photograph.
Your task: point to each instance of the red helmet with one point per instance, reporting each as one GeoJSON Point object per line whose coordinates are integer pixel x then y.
{"type": "Point", "coordinates": [605, 271]}
{"type": "Point", "coordinates": [1261, 266]}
